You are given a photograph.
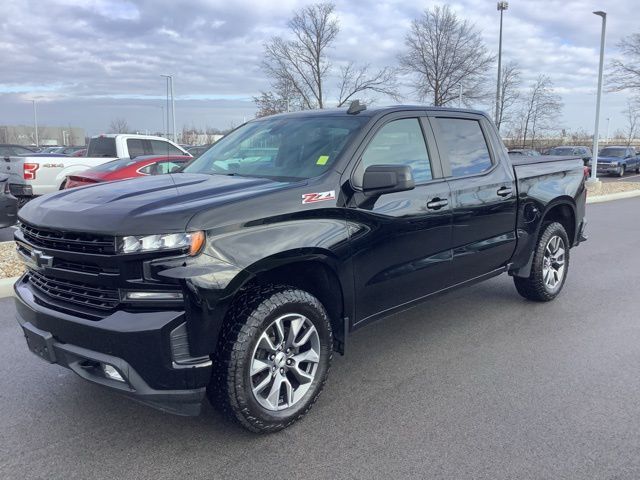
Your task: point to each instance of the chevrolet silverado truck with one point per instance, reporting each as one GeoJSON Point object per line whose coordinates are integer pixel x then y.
{"type": "Point", "coordinates": [34, 175]}
{"type": "Point", "coordinates": [238, 277]}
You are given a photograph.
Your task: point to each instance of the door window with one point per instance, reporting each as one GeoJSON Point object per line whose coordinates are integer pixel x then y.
{"type": "Point", "coordinates": [159, 147]}
{"type": "Point", "coordinates": [135, 147]}
{"type": "Point", "coordinates": [465, 145]}
{"type": "Point", "coordinates": [399, 142]}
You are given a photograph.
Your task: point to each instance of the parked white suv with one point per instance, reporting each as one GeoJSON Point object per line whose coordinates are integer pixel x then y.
{"type": "Point", "coordinates": [46, 174]}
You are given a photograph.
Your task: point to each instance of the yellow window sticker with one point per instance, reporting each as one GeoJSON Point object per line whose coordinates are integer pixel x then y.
{"type": "Point", "coordinates": [322, 160]}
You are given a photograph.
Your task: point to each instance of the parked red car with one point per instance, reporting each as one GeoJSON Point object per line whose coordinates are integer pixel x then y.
{"type": "Point", "coordinates": [127, 168]}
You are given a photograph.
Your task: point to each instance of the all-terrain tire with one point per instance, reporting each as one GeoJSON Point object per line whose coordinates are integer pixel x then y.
{"type": "Point", "coordinates": [534, 287]}
{"type": "Point", "coordinates": [230, 389]}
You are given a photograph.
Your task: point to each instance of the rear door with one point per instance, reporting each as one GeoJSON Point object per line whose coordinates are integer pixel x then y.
{"type": "Point", "coordinates": [400, 241]}
{"type": "Point", "coordinates": [483, 194]}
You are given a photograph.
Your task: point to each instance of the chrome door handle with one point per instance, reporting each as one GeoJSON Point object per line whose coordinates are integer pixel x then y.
{"type": "Point", "coordinates": [505, 191]}
{"type": "Point", "coordinates": [437, 204]}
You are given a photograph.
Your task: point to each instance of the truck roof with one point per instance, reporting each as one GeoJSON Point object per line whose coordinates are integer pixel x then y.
{"type": "Point", "coordinates": [129, 135]}
{"type": "Point", "coordinates": [373, 111]}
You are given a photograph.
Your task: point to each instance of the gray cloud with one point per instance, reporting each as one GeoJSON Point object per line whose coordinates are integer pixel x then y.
{"type": "Point", "coordinates": [90, 60]}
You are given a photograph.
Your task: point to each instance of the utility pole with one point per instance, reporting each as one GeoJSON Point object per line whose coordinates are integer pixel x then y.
{"type": "Point", "coordinates": [460, 97]}
{"type": "Point", "coordinates": [173, 113]}
{"type": "Point", "coordinates": [502, 6]}
{"type": "Point", "coordinates": [607, 137]}
{"type": "Point", "coordinates": [168, 121]}
{"type": "Point", "coordinates": [35, 123]}
{"type": "Point", "coordinates": [594, 161]}
{"type": "Point", "coordinates": [164, 130]}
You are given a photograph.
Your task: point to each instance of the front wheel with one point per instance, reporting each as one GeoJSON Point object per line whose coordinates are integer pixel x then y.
{"type": "Point", "coordinates": [550, 265]}
{"type": "Point", "coordinates": [623, 170]}
{"type": "Point", "coordinates": [272, 363]}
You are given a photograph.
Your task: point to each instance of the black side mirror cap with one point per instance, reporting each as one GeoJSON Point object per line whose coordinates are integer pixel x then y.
{"type": "Point", "coordinates": [381, 179]}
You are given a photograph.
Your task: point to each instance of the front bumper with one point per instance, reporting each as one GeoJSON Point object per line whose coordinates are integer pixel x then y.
{"type": "Point", "coordinates": [609, 169]}
{"type": "Point", "coordinates": [138, 345]}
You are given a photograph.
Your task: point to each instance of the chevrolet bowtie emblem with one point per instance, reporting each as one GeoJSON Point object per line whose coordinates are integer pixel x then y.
{"type": "Point", "coordinates": [40, 259]}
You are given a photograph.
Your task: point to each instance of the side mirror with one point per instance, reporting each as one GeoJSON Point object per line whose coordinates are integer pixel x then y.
{"type": "Point", "coordinates": [381, 179]}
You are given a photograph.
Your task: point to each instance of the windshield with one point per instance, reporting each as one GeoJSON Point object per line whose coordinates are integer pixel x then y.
{"type": "Point", "coordinates": [613, 152]}
{"type": "Point", "coordinates": [561, 151]}
{"type": "Point", "coordinates": [282, 148]}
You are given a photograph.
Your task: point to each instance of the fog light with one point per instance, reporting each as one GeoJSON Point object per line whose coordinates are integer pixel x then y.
{"type": "Point", "coordinates": [111, 372]}
{"type": "Point", "coordinates": [153, 296]}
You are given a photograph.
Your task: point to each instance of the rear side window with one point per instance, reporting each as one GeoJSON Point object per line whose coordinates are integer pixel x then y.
{"type": "Point", "coordinates": [102, 147]}
{"type": "Point", "coordinates": [399, 142]}
{"type": "Point", "coordinates": [159, 147]}
{"type": "Point", "coordinates": [135, 147]}
{"type": "Point", "coordinates": [159, 168]}
{"type": "Point", "coordinates": [465, 146]}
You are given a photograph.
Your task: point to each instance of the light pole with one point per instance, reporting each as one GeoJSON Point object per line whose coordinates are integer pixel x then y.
{"type": "Point", "coordinates": [606, 139]}
{"type": "Point", "coordinates": [502, 6]}
{"type": "Point", "coordinates": [594, 157]}
{"type": "Point", "coordinates": [168, 77]}
{"type": "Point", "coordinates": [163, 129]}
{"type": "Point", "coordinates": [173, 113]}
{"type": "Point", "coordinates": [35, 123]}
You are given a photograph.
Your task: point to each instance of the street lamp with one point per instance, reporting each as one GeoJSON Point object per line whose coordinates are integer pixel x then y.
{"type": "Point", "coordinates": [594, 157]}
{"type": "Point", "coordinates": [173, 106]}
{"type": "Point", "coordinates": [502, 6]}
{"type": "Point", "coordinates": [35, 123]}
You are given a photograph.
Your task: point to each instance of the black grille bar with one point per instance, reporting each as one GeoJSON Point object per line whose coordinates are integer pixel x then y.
{"type": "Point", "coordinates": [75, 292]}
{"type": "Point", "coordinates": [69, 241]}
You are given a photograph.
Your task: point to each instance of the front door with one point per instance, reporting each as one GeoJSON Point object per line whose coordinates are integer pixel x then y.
{"type": "Point", "coordinates": [400, 241]}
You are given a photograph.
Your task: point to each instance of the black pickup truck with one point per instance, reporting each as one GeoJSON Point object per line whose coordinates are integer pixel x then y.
{"type": "Point", "coordinates": [238, 277]}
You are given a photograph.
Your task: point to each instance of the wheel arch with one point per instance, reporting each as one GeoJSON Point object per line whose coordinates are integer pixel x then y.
{"type": "Point", "coordinates": [314, 271]}
{"type": "Point", "coordinates": [563, 211]}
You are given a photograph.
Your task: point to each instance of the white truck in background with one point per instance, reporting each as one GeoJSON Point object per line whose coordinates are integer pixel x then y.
{"type": "Point", "coordinates": [31, 176]}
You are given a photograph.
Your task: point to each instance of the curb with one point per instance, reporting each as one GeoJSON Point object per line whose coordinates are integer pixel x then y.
{"type": "Point", "coordinates": [613, 196]}
{"type": "Point", "coordinates": [6, 286]}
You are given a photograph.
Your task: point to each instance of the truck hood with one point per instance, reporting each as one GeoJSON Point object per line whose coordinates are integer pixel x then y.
{"type": "Point", "coordinates": [143, 205]}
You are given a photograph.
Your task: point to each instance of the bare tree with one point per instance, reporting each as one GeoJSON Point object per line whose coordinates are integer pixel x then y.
{"type": "Point", "coordinates": [624, 73]}
{"type": "Point", "coordinates": [445, 54]}
{"type": "Point", "coordinates": [299, 69]}
{"type": "Point", "coordinates": [119, 125]}
{"type": "Point", "coordinates": [509, 93]}
{"type": "Point", "coordinates": [632, 117]}
{"type": "Point", "coordinates": [540, 108]}
{"type": "Point", "coordinates": [355, 80]}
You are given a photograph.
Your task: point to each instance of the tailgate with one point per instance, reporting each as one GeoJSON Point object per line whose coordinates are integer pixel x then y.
{"type": "Point", "coordinates": [12, 166]}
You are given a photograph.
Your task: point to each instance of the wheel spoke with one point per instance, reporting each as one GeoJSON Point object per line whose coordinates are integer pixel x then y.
{"type": "Point", "coordinates": [274, 394]}
{"type": "Point", "coordinates": [288, 391]}
{"type": "Point", "coordinates": [258, 366]}
{"type": "Point", "coordinates": [305, 338]}
{"type": "Point", "coordinates": [302, 376]}
{"type": "Point", "coordinates": [294, 330]}
{"type": "Point", "coordinates": [261, 386]}
{"type": "Point", "coordinates": [309, 356]}
{"type": "Point", "coordinates": [280, 329]}
{"type": "Point", "coordinates": [266, 343]}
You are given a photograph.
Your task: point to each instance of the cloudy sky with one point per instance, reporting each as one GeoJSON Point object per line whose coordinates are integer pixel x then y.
{"type": "Point", "coordinates": [89, 61]}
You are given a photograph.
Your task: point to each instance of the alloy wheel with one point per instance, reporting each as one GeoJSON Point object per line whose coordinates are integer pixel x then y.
{"type": "Point", "coordinates": [285, 362]}
{"type": "Point", "coordinates": [553, 263]}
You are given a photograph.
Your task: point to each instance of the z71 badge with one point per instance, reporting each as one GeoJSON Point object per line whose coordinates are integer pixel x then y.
{"type": "Point", "coordinates": [318, 197]}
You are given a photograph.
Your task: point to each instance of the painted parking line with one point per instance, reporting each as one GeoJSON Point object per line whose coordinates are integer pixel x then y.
{"type": "Point", "coordinates": [627, 178]}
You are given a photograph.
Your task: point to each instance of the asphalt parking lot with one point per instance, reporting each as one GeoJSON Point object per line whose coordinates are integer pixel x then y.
{"type": "Point", "coordinates": [478, 383]}
{"type": "Point", "coordinates": [631, 177]}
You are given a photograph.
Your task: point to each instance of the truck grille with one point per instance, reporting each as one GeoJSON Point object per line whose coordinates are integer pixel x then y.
{"type": "Point", "coordinates": [75, 292]}
{"type": "Point", "coordinates": [69, 241]}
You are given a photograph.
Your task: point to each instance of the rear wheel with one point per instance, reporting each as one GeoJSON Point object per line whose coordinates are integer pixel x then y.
{"type": "Point", "coordinates": [550, 265]}
{"type": "Point", "coordinates": [272, 363]}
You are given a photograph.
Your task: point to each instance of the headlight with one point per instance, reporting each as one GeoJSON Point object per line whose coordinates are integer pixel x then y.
{"type": "Point", "coordinates": [169, 241]}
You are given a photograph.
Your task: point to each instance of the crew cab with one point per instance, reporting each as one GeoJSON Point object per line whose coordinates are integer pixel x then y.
{"type": "Point", "coordinates": [239, 276]}
{"type": "Point", "coordinates": [45, 174]}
